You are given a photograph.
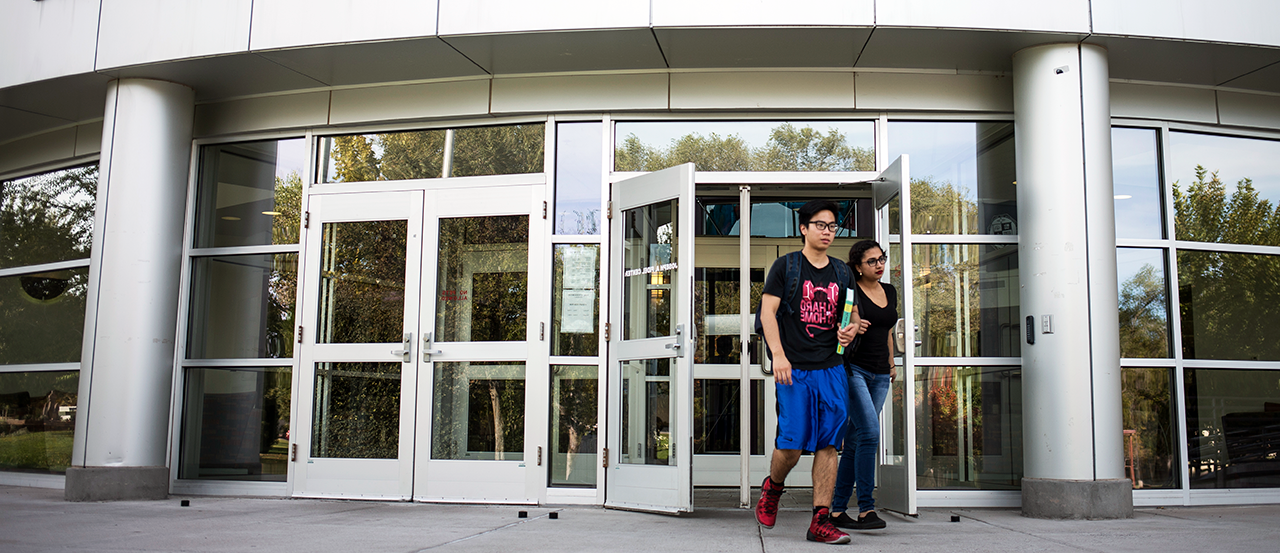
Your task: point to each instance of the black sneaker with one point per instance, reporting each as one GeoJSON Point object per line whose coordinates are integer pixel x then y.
{"type": "Point", "coordinates": [870, 521]}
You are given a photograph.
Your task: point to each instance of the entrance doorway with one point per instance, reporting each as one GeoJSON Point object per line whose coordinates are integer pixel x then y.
{"type": "Point", "coordinates": [729, 433]}
{"type": "Point", "coordinates": [420, 345]}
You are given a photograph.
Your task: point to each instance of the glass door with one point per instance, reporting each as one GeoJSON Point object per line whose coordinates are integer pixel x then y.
{"type": "Point", "coordinates": [357, 374]}
{"type": "Point", "coordinates": [897, 471]}
{"type": "Point", "coordinates": [650, 408]}
{"type": "Point", "coordinates": [481, 422]}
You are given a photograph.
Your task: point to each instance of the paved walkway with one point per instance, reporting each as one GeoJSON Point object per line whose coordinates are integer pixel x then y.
{"type": "Point", "coordinates": [37, 520]}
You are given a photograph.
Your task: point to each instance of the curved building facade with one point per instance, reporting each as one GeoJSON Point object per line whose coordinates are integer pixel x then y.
{"type": "Point", "coordinates": [498, 251]}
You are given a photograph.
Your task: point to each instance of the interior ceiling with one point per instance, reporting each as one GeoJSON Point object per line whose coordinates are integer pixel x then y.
{"type": "Point", "coordinates": [36, 107]}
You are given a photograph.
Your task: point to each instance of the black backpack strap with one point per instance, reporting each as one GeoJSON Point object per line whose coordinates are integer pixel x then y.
{"type": "Point", "coordinates": [793, 280]}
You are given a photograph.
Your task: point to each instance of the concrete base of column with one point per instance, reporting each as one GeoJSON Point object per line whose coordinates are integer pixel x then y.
{"type": "Point", "coordinates": [116, 483]}
{"type": "Point", "coordinates": [1077, 499]}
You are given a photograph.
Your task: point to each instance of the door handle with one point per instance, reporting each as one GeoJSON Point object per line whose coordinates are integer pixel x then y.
{"type": "Point", "coordinates": [679, 343]}
{"type": "Point", "coordinates": [427, 344]}
{"type": "Point", "coordinates": [407, 353]}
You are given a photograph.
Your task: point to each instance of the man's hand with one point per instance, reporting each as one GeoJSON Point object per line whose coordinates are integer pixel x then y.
{"type": "Point", "coordinates": [848, 333]}
{"type": "Point", "coordinates": [781, 370]}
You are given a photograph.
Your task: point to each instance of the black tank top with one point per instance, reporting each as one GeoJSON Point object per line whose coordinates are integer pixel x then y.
{"type": "Point", "coordinates": [872, 353]}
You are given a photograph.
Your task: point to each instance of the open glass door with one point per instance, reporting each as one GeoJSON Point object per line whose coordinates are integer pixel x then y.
{"type": "Point", "coordinates": [897, 490]}
{"type": "Point", "coordinates": [358, 324]}
{"type": "Point", "coordinates": [649, 457]}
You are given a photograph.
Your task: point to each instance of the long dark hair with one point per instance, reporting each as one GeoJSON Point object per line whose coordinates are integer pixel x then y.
{"type": "Point", "coordinates": [856, 251]}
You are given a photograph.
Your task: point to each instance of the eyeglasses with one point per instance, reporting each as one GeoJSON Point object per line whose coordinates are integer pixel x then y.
{"type": "Point", "coordinates": [877, 261]}
{"type": "Point", "coordinates": [823, 225]}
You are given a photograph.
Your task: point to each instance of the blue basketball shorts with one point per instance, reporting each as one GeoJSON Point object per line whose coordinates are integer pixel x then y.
{"type": "Point", "coordinates": [813, 410]}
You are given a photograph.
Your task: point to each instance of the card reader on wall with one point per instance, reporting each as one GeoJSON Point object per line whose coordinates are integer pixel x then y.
{"type": "Point", "coordinates": [1031, 329]}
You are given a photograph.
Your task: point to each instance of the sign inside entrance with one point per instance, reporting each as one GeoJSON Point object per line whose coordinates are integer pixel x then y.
{"type": "Point", "coordinates": [578, 299]}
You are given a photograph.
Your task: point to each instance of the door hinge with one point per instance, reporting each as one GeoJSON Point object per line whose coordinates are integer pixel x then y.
{"type": "Point", "coordinates": [293, 452]}
{"type": "Point", "coordinates": [542, 332]}
{"type": "Point", "coordinates": [299, 334]}
{"type": "Point", "coordinates": [306, 219]}
{"type": "Point", "coordinates": [605, 458]}
{"type": "Point", "coordinates": [539, 455]}
{"type": "Point", "coordinates": [607, 328]}
{"type": "Point", "coordinates": [609, 211]}
{"type": "Point", "coordinates": [544, 209]}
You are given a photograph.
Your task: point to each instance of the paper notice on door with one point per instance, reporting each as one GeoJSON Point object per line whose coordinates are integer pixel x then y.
{"type": "Point", "coordinates": [578, 311]}
{"type": "Point", "coordinates": [579, 268]}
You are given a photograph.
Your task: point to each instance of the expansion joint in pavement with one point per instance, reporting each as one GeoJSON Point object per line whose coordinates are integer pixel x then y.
{"type": "Point", "coordinates": [489, 531]}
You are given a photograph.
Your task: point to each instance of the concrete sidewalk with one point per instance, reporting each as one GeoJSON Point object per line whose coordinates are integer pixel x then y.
{"type": "Point", "coordinates": [39, 520]}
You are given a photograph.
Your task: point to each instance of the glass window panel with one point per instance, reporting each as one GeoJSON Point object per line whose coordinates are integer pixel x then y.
{"type": "Point", "coordinates": [575, 432]}
{"type": "Point", "coordinates": [362, 282]}
{"type": "Point", "coordinates": [478, 411]}
{"type": "Point", "coordinates": [1135, 168]}
{"type": "Point", "coordinates": [962, 176]}
{"type": "Point", "coordinates": [236, 424]}
{"type": "Point", "coordinates": [1225, 189]}
{"type": "Point", "coordinates": [50, 306]}
{"type": "Point", "coordinates": [507, 150]}
{"type": "Point", "coordinates": [776, 218]}
{"type": "Point", "coordinates": [650, 268]}
{"type": "Point", "coordinates": [1230, 305]}
{"type": "Point", "coordinates": [575, 300]}
{"type": "Point", "coordinates": [250, 193]}
{"type": "Point", "coordinates": [47, 217]}
{"type": "Point", "coordinates": [648, 404]}
{"type": "Point", "coordinates": [483, 279]}
{"type": "Point", "coordinates": [1150, 423]}
{"type": "Point", "coordinates": [37, 420]}
{"type": "Point", "coordinates": [1233, 428]}
{"type": "Point", "coordinates": [746, 145]}
{"type": "Point", "coordinates": [1144, 303]}
{"type": "Point", "coordinates": [967, 300]}
{"type": "Point", "coordinates": [969, 428]}
{"type": "Point", "coordinates": [716, 303]}
{"type": "Point", "coordinates": [716, 412]}
{"type": "Point", "coordinates": [356, 411]}
{"type": "Point", "coordinates": [384, 156]}
{"type": "Point", "coordinates": [242, 306]}
{"type": "Point", "coordinates": [579, 170]}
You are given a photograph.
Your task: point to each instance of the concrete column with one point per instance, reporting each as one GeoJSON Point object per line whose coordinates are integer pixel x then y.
{"type": "Point", "coordinates": [126, 367]}
{"type": "Point", "coordinates": [1072, 435]}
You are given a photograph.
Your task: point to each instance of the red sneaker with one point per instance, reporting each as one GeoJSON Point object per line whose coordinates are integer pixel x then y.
{"type": "Point", "coordinates": [821, 529]}
{"type": "Point", "coordinates": [767, 507]}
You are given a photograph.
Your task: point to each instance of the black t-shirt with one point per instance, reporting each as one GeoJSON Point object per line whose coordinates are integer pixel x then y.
{"type": "Point", "coordinates": [872, 353]}
{"type": "Point", "coordinates": [809, 333]}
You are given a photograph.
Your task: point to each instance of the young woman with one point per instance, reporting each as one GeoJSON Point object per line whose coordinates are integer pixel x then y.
{"type": "Point", "coordinates": [870, 368]}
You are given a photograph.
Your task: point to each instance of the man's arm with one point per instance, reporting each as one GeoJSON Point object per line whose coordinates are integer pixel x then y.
{"type": "Point", "coordinates": [773, 339]}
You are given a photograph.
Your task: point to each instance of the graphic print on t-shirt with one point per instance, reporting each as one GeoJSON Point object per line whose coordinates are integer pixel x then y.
{"type": "Point", "coordinates": [818, 307]}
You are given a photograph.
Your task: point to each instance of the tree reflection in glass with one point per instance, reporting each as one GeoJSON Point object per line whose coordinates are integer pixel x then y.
{"type": "Point", "coordinates": [1144, 305]}
{"type": "Point", "coordinates": [789, 147]}
{"type": "Point", "coordinates": [1151, 457]}
{"type": "Point", "coordinates": [478, 411]}
{"type": "Point", "coordinates": [362, 282]}
{"type": "Point", "coordinates": [483, 279]}
{"type": "Point", "coordinates": [356, 411]}
{"type": "Point", "coordinates": [47, 217]}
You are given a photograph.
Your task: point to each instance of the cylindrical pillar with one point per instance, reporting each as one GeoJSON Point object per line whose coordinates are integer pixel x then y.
{"type": "Point", "coordinates": [1072, 432]}
{"type": "Point", "coordinates": [126, 366]}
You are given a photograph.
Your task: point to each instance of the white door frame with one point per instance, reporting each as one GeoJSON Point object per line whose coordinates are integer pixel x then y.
{"type": "Point", "coordinates": [414, 475]}
{"type": "Point", "coordinates": [638, 486]}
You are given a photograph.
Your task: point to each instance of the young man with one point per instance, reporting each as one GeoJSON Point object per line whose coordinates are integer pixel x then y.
{"type": "Point", "coordinates": [809, 374]}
